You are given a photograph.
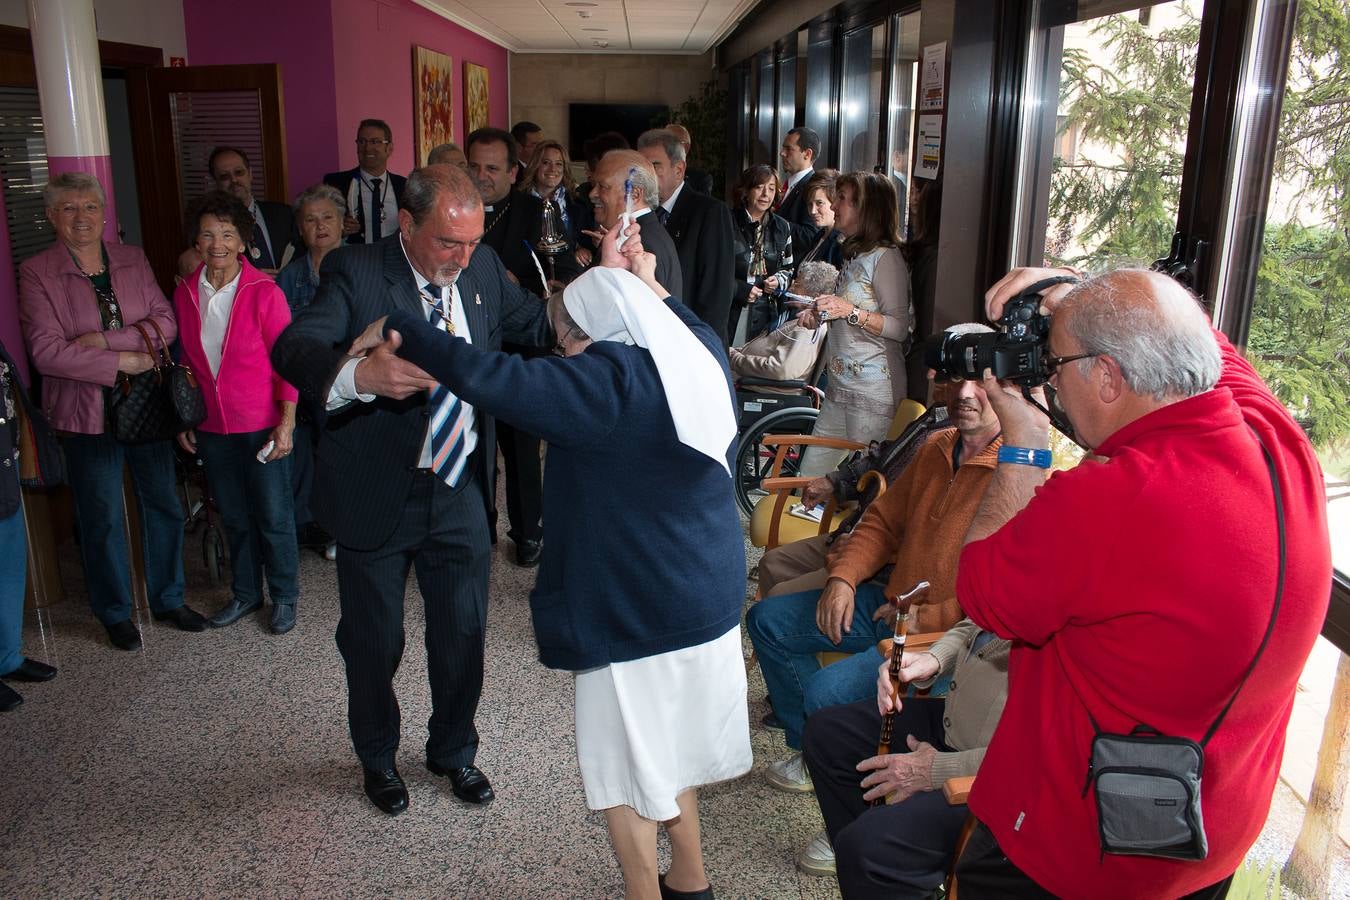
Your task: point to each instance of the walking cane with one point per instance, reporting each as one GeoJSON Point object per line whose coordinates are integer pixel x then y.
{"type": "Point", "coordinates": [901, 602]}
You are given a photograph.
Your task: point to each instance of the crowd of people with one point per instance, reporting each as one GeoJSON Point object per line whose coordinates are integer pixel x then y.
{"type": "Point", "coordinates": [365, 353]}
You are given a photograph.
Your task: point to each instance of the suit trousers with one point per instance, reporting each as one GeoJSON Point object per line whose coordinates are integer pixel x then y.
{"type": "Point", "coordinates": [524, 483]}
{"type": "Point", "coordinates": [893, 851]}
{"type": "Point", "coordinates": [443, 537]}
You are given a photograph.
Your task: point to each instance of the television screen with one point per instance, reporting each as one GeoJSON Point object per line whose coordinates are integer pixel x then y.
{"type": "Point", "coordinates": [586, 120]}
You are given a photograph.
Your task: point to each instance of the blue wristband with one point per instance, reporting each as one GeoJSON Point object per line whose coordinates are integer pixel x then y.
{"type": "Point", "coordinates": [1024, 456]}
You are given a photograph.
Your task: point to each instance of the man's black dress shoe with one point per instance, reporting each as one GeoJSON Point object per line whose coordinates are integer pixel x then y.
{"type": "Point", "coordinates": [468, 783]}
{"type": "Point", "coordinates": [672, 894]}
{"type": "Point", "coordinates": [233, 612]}
{"type": "Point", "coordinates": [185, 617]}
{"type": "Point", "coordinates": [124, 635]}
{"type": "Point", "coordinates": [387, 790]}
{"type": "Point", "coordinates": [283, 618]}
{"type": "Point", "coordinates": [9, 698]}
{"type": "Point", "coordinates": [32, 670]}
{"type": "Point", "coordinates": [528, 552]}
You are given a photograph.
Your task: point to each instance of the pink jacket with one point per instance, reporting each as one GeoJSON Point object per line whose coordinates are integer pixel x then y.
{"type": "Point", "coordinates": [245, 395]}
{"type": "Point", "coordinates": [57, 305]}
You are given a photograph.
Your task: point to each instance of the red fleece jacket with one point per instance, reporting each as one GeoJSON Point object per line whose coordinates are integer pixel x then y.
{"type": "Point", "coordinates": [1138, 589]}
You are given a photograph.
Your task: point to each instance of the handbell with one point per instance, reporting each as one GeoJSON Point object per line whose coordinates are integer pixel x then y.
{"type": "Point", "coordinates": [551, 242]}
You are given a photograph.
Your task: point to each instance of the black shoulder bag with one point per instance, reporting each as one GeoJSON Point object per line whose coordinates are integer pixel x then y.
{"type": "Point", "coordinates": [1147, 783]}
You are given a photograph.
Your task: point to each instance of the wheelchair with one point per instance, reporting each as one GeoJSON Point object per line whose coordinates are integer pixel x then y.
{"type": "Point", "coordinates": [766, 407]}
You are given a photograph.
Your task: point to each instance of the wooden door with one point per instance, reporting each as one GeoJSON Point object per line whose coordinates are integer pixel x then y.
{"type": "Point", "coordinates": [181, 113]}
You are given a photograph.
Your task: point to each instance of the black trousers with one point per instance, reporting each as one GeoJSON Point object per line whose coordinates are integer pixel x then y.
{"type": "Point", "coordinates": [984, 872]}
{"type": "Point", "coordinates": [900, 850]}
{"type": "Point", "coordinates": [443, 537]}
{"type": "Point", "coordinates": [524, 483]}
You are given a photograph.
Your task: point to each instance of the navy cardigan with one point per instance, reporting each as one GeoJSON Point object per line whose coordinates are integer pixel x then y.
{"type": "Point", "coordinates": [642, 544]}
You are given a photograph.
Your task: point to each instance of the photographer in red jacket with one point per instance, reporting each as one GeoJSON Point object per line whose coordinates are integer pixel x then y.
{"type": "Point", "coordinates": [1138, 587]}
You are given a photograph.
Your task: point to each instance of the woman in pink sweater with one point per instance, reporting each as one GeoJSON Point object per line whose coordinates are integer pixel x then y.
{"type": "Point", "coordinates": [229, 315]}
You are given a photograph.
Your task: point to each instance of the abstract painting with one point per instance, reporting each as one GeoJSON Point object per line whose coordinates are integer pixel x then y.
{"type": "Point", "coordinates": [475, 97]}
{"type": "Point", "coordinates": [433, 81]}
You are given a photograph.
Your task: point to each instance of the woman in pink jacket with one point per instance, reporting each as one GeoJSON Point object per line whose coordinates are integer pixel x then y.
{"type": "Point", "coordinates": [78, 302]}
{"type": "Point", "coordinates": [229, 315]}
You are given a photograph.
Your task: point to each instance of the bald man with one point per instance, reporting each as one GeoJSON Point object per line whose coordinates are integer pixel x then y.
{"type": "Point", "coordinates": [404, 479]}
{"type": "Point", "coordinates": [615, 169]}
{"type": "Point", "coordinates": [1138, 586]}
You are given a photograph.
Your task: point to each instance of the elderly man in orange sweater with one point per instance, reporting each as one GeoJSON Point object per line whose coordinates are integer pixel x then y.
{"type": "Point", "coordinates": [917, 526]}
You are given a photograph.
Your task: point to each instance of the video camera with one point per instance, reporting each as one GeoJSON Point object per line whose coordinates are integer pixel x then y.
{"type": "Point", "coordinates": [1016, 352]}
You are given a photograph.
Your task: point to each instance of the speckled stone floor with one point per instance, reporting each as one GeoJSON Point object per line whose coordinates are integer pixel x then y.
{"type": "Point", "coordinates": [218, 764]}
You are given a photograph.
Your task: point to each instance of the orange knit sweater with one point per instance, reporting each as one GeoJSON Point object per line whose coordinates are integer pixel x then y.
{"type": "Point", "coordinates": [920, 524]}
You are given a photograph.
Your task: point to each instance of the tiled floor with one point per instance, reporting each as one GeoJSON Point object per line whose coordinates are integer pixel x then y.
{"type": "Point", "coordinates": [218, 764]}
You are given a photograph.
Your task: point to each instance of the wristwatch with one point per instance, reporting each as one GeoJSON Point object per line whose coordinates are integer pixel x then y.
{"type": "Point", "coordinates": [854, 317]}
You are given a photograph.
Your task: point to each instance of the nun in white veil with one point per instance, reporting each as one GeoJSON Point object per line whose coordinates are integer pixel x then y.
{"type": "Point", "coordinates": [642, 578]}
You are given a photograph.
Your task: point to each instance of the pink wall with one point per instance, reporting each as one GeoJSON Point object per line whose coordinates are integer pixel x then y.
{"type": "Point", "coordinates": [299, 35]}
{"type": "Point", "coordinates": [373, 42]}
{"type": "Point", "coordinates": [341, 61]}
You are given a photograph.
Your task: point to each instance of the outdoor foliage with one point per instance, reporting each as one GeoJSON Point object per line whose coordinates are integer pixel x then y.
{"type": "Point", "coordinates": [1117, 202]}
{"type": "Point", "coordinates": [705, 115]}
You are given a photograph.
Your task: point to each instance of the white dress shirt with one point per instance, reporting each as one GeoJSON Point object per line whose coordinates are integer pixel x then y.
{"type": "Point", "coordinates": [344, 385]}
{"type": "Point", "coordinates": [214, 307]}
{"type": "Point", "coordinates": [359, 194]}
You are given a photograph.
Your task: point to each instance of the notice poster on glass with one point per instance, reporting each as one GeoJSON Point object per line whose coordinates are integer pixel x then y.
{"type": "Point", "coordinates": [930, 146]}
{"type": "Point", "coordinates": [932, 91]}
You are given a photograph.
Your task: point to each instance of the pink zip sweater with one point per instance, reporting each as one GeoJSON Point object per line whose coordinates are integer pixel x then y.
{"type": "Point", "coordinates": [246, 394]}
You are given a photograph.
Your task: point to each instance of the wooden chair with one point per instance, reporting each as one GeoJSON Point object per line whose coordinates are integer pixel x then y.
{"type": "Point", "coordinates": [957, 792]}
{"type": "Point", "coordinates": [771, 524]}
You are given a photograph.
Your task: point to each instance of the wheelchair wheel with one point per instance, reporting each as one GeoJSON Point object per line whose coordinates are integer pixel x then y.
{"type": "Point", "coordinates": [754, 460]}
{"type": "Point", "coordinates": [213, 554]}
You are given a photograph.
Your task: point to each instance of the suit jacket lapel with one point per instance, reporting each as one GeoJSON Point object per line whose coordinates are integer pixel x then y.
{"type": "Point", "coordinates": [401, 280]}
{"type": "Point", "coordinates": [469, 295]}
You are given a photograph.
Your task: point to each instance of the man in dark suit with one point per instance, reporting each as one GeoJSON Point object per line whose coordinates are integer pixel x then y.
{"type": "Point", "coordinates": [512, 225]}
{"type": "Point", "coordinates": [699, 226]}
{"type": "Point", "coordinates": [373, 193]}
{"type": "Point", "coordinates": [616, 168]}
{"type": "Point", "coordinates": [801, 146]}
{"type": "Point", "coordinates": [275, 223]}
{"type": "Point", "coordinates": [697, 179]}
{"type": "Point", "coordinates": [527, 136]}
{"type": "Point", "coordinates": [403, 483]}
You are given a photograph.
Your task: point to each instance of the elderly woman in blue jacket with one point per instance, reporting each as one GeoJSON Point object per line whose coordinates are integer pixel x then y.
{"type": "Point", "coordinates": [638, 414]}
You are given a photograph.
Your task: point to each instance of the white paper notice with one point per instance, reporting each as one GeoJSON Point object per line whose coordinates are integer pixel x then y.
{"type": "Point", "coordinates": [932, 93]}
{"type": "Point", "coordinates": [930, 146]}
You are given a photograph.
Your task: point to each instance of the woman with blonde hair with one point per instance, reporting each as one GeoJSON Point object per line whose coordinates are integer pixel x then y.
{"type": "Point", "coordinates": [549, 177]}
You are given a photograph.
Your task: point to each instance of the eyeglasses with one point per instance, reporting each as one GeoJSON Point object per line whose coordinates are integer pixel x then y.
{"type": "Point", "coordinates": [371, 142]}
{"type": "Point", "coordinates": [1052, 363]}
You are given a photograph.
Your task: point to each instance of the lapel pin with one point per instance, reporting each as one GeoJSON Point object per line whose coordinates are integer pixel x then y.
{"type": "Point", "coordinates": [477, 299]}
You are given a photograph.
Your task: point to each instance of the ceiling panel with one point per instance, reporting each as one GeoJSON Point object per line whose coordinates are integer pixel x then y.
{"type": "Point", "coordinates": [542, 26]}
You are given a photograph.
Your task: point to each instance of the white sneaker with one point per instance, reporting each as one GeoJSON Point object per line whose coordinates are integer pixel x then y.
{"type": "Point", "coordinates": [817, 857]}
{"type": "Point", "coordinates": [789, 775]}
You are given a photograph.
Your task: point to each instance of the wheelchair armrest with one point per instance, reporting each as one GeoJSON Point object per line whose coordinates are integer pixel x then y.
{"type": "Point", "coordinates": [810, 440]}
{"type": "Point", "coordinates": [757, 381]}
{"type": "Point", "coordinates": [957, 790]}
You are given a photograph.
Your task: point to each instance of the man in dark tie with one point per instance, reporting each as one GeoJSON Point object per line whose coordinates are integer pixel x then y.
{"type": "Point", "coordinates": [699, 226]}
{"type": "Point", "coordinates": [373, 193]}
{"type": "Point", "coordinates": [274, 231]}
{"type": "Point", "coordinates": [801, 146]}
{"type": "Point", "coordinates": [404, 483]}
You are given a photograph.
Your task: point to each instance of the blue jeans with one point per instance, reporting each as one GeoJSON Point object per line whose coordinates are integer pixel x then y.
{"type": "Point", "coordinates": [13, 571]}
{"type": "Point", "coordinates": [783, 630]}
{"type": "Point", "coordinates": [256, 508]}
{"type": "Point", "coordinates": [94, 470]}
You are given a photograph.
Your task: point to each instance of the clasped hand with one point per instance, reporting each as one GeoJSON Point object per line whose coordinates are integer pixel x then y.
{"type": "Point", "coordinates": [381, 371]}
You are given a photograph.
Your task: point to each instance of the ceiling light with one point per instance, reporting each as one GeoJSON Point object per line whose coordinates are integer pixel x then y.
{"type": "Point", "coordinates": [601, 44]}
{"type": "Point", "coordinates": [595, 29]}
{"type": "Point", "coordinates": [577, 4]}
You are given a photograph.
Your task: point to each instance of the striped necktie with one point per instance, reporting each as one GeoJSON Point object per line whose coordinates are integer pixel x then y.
{"type": "Point", "coordinates": [448, 419]}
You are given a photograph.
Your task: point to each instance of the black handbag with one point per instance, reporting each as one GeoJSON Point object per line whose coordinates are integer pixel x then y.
{"type": "Point", "coordinates": [157, 404]}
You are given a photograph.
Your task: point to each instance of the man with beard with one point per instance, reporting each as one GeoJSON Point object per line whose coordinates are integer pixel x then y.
{"type": "Point", "coordinates": [916, 526]}
{"type": "Point", "coordinates": [404, 478]}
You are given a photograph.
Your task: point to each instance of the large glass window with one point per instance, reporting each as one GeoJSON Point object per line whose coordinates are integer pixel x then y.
{"type": "Point", "coordinates": [860, 98]}
{"type": "Point", "coordinates": [820, 84]}
{"type": "Point", "coordinates": [787, 97]}
{"type": "Point", "coordinates": [900, 130]}
{"type": "Point", "coordinates": [765, 146]}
